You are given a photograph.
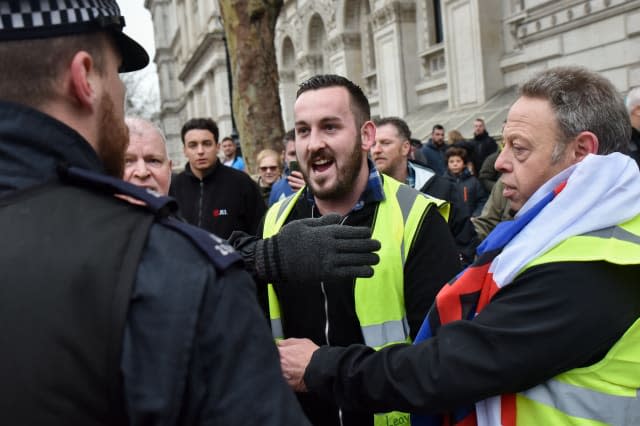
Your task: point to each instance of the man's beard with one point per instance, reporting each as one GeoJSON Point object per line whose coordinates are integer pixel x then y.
{"type": "Point", "coordinates": [346, 176]}
{"type": "Point", "coordinates": [113, 138]}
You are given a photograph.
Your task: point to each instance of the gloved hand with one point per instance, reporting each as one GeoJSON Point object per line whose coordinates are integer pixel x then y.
{"type": "Point", "coordinates": [312, 250]}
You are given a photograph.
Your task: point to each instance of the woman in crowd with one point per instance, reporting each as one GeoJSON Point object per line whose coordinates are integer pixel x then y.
{"type": "Point", "coordinates": [270, 169]}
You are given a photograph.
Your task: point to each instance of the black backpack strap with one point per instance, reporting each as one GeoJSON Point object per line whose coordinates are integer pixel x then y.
{"type": "Point", "coordinates": [221, 254]}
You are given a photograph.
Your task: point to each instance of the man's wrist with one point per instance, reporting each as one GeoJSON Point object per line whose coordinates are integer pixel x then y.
{"type": "Point", "coordinates": [259, 260]}
{"type": "Point", "coordinates": [314, 376]}
{"type": "Point", "coordinates": [267, 261]}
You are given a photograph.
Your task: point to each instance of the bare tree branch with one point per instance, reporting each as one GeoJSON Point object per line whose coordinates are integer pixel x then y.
{"type": "Point", "coordinates": [143, 98]}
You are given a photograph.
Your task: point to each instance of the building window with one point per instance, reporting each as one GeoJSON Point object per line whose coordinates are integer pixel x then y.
{"type": "Point", "coordinates": [437, 21]}
{"type": "Point", "coordinates": [317, 42]}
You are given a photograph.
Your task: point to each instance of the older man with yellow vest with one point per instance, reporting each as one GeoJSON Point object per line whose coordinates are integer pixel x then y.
{"type": "Point", "coordinates": [543, 328]}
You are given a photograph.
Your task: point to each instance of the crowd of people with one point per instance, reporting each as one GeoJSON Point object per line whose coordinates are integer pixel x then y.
{"type": "Point", "coordinates": [456, 170]}
{"type": "Point", "coordinates": [132, 295]}
{"type": "Point", "coordinates": [442, 169]}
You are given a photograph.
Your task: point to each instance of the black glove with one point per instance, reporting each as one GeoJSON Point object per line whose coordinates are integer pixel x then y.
{"type": "Point", "coordinates": [312, 250]}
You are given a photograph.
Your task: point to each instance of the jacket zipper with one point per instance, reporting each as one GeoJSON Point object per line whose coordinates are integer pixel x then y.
{"type": "Point", "coordinates": [326, 332]}
{"type": "Point", "coordinates": [326, 316]}
{"type": "Point", "coordinates": [200, 204]}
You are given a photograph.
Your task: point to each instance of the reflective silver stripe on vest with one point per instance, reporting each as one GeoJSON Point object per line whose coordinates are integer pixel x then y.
{"type": "Point", "coordinates": [388, 332]}
{"type": "Point", "coordinates": [283, 206]}
{"type": "Point", "coordinates": [276, 323]}
{"type": "Point", "coordinates": [587, 403]}
{"type": "Point", "coordinates": [406, 197]}
{"type": "Point", "coordinates": [276, 329]}
{"type": "Point", "coordinates": [615, 232]}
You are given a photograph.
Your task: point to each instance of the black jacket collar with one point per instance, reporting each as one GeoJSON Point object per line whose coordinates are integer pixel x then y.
{"type": "Point", "coordinates": [33, 144]}
{"type": "Point", "coordinates": [208, 175]}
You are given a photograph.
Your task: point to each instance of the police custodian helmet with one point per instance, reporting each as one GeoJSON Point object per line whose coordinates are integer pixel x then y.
{"type": "Point", "coordinates": [32, 19]}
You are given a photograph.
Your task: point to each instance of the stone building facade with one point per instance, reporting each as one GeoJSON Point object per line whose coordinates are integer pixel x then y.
{"type": "Point", "coordinates": [428, 61]}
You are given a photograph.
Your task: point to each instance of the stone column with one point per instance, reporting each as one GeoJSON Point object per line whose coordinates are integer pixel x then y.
{"type": "Point", "coordinates": [346, 56]}
{"type": "Point", "coordinates": [394, 28]}
{"type": "Point", "coordinates": [288, 88]}
{"type": "Point", "coordinates": [473, 49]}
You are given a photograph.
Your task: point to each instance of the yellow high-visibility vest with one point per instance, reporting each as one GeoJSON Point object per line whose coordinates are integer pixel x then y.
{"type": "Point", "coordinates": [607, 392]}
{"type": "Point", "coordinates": [379, 300]}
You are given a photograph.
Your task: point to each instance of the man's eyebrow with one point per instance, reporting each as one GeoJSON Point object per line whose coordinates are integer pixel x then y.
{"type": "Point", "coordinates": [322, 120]}
{"type": "Point", "coordinates": [331, 118]}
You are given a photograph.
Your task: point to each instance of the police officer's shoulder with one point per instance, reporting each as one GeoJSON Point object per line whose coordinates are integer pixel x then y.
{"type": "Point", "coordinates": [161, 207]}
{"type": "Point", "coordinates": [216, 249]}
{"type": "Point", "coordinates": [175, 254]}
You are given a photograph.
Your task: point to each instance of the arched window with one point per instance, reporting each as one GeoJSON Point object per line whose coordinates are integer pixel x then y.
{"type": "Point", "coordinates": [317, 41]}
{"type": "Point", "coordinates": [288, 55]}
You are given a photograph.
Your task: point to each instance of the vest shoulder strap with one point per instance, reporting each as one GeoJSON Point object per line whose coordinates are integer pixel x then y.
{"type": "Point", "coordinates": [618, 244]}
{"type": "Point", "coordinates": [278, 213]}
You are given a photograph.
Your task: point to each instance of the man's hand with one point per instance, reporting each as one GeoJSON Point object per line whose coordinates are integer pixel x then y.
{"type": "Point", "coordinates": [296, 180]}
{"type": "Point", "coordinates": [295, 355]}
{"type": "Point", "coordinates": [312, 250]}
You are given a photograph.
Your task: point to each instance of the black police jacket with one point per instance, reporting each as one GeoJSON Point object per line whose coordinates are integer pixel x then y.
{"type": "Point", "coordinates": [108, 318]}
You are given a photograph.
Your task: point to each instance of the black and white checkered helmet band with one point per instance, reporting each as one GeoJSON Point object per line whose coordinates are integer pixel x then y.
{"type": "Point", "coordinates": [32, 14]}
{"type": "Point", "coordinates": [32, 19]}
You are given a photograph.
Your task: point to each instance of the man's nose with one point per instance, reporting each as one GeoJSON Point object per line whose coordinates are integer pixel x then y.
{"type": "Point", "coordinates": [141, 170]}
{"type": "Point", "coordinates": [503, 164]}
{"type": "Point", "coordinates": [316, 141]}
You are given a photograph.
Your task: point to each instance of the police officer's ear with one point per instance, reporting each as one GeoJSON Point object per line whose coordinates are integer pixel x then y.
{"type": "Point", "coordinates": [82, 80]}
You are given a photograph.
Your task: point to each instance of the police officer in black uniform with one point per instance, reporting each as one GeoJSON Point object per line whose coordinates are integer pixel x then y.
{"type": "Point", "coordinates": [111, 312]}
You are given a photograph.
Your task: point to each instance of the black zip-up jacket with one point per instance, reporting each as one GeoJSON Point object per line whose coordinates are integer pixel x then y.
{"type": "Point", "coordinates": [554, 317]}
{"type": "Point", "coordinates": [483, 145]}
{"type": "Point", "coordinates": [431, 261]}
{"type": "Point", "coordinates": [223, 201]}
{"type": "Point", "coordinates": [461, 227]}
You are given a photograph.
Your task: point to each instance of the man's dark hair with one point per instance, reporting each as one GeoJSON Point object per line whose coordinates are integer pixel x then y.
{"type": "Point", "coordinates": [359, 102]}
{"type": "Point", "coordinates": [437, 127]}
{"type": "Point", "coordinates": [30, 69]}
{"type": "Point", "coordinates": [289, 136]}
{"type": "Point", "coordinates": [582, 100]}
{"type": "Point", "coordinates": [401, 126]}
{"type": "Point", "coordinates": [454, 151]}
{"type": "Point", "coordinates": [226, 138]}
{"type": "Point", "coordinates": [200, 124]}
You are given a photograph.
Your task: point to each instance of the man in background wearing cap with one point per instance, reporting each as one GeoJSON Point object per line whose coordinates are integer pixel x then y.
{"type": "Point", "coordinates": [110, 312]}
